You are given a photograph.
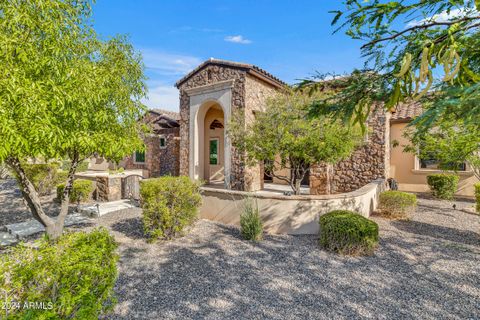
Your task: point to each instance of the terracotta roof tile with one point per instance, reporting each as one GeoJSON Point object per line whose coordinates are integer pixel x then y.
{"type": "Point", "coordinates": [407, 111]}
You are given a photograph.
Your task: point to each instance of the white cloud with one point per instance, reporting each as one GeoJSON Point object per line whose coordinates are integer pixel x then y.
{"type": "Point", "coordinates": [162, 96]}
{"type": "Point", "coordinates": [237, 39]}
{"type": "Point", "coordinates": [168, 64]}
{"type": "Point", "coordinates": [444, 16]}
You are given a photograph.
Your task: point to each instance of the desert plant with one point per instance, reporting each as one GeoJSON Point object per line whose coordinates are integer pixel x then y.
{"type": "Point", "coordinates": [169, 204]}
{"type": "Point", "coordinates": [397, 204]}
{"type": "Point", "coordinates": [347, 232]}
{"type": "Point", "coordinates": [443, 185]}
{"type": "Point", "coordinates": [81, 191]}
{"type": "Point", "coordinates": [477, 196]}
{"type": "Point", "coordinates": [250, 221]}
{"type": "Point", "coordinates": [72, 277]}
{"type": "Point", "coordinates": [44, 176]}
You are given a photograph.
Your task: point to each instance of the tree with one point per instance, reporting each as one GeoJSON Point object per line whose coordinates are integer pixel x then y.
{"type": "Point", "coordinates": [412, 48]}
{"type": "Point", "coordinates": [64, 93]}
{"type": "Point", "coordinates": [451, 143]}
{"type": "Point", "coordinates": [285, 137]}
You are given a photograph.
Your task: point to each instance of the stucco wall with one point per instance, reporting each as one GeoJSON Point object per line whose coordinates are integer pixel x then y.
{"type": "Point", "coordinates": [287, 215]}
{"type": "Point", "coordinates": [402, 168]}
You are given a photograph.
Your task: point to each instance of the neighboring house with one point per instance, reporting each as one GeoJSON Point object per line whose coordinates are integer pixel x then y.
{"type": "Point", "coordinates": [161, 155]}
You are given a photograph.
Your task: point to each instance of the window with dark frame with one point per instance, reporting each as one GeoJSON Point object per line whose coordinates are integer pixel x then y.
{"type": "Point", "coordinates": [140, 156]}
{"type": "Point", "coordinates": [163, 142]}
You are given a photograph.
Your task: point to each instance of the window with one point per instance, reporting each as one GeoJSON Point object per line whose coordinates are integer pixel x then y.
{"type": "Point", "coordinates": [429, 162]}
{"type": "Point", "coordinates": [139, 157]}
{"type": "Point", "coordinates": [213, 151]}
{"type": "Point", "coordinates": [163, 142]}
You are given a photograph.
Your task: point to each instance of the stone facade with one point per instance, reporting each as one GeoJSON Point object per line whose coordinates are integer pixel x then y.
{"type": "Point", "coordinates": [248, 94]}
{"type": "Point", "coordinates": [369, 162]}
{"type": "Point", "coordinates": [159, 161]}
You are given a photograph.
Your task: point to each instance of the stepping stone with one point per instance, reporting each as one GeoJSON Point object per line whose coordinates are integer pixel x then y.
{"type": "Point", "coordinates": [27, 228]}
{"type": "Point", "coordinates": [6, 239]}
{"type": "Point", "coordinates": [102, 208]}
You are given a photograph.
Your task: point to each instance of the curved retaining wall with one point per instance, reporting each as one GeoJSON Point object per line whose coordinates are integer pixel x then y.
{"type": "Point", "coordinates": [288, 214]}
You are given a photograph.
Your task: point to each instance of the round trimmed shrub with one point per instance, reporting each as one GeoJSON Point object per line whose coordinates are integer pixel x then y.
{"type": "Point", "coordinates": [251, 226]}
{"type": "Point", "coordinates": [477, 196]}
{"type": "Point", "coordinates": [443, 185]}
{"type": "Point", "coordinates": [73, 277]}
{"type": "Point", "coordinates": [397, 204]}
{"type": "Point", "coordinates": [81, 191]}
{"type": "Point", "coordinates": [169, 204]}
{"type": "Point", "coordinates": [347, 232]}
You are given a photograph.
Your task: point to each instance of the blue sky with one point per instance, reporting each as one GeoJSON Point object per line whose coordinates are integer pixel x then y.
{"type": "Point", "coordinates": [290, 39]}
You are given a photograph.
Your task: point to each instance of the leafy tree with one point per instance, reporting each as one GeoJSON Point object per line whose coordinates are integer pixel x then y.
{"type": "Point", "coordinates": [285, 137]}
{"type": "Point", "coordinates": [412, 48]}
{"type": "Point", "coordinates": [451, 143]}
{"type": "Point", "coordinates": [64, 93]}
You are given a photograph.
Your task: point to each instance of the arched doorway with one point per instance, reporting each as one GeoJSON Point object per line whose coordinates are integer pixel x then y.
{"type": "Point", "coordinates": [210, 141]}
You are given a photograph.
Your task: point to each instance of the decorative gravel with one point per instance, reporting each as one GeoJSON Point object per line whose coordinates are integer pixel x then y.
{"type": "Point", "coordinates": [426, 268]}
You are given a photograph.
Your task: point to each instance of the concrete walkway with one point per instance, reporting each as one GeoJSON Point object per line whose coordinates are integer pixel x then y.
{"type": "Point", "coordinates": [102, 208]}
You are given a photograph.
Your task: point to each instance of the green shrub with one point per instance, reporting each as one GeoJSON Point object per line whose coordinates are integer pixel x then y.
{"type": "Point", "coordinates": [477, 196]}
{"type": "Point", "coordinates": [397, 204]}
{"type": "Point", "coordinates": [250, 222]}
{"type": "Point", "coordinates": [44, 176]}
{"type": "Point", "coordinates": [169, 205]}
{"type": "Point", "coordinates": [347, 232]}
{"type": "Point", "coordinates": [443, 185]}
{"type": "Point", "coordinates": [73, 277]}
{"type": "Point", "coordinates": [81, 191]}
{"type": "Point", "coordinates": [81, 167]}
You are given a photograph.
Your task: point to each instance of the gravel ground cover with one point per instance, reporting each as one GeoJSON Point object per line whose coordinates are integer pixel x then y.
{"type": "Point", "coordinates": [425, 268]}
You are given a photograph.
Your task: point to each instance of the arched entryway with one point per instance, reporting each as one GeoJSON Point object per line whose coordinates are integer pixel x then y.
{"type": "Point", "coordinates": [210, 142]}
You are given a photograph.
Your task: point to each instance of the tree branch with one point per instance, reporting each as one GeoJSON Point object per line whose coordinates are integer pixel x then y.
{"type": "Point", "coordinates": [418, 27]}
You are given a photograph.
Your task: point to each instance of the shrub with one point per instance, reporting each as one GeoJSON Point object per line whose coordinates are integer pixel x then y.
{"type": "Point", "coordinates": [44, 176]}
{"type": "Point", "coordinates": [81, 191]}
{"type": "Point", "coordinates": [169, 205]}
{"type": "Point", "coordinates": [250, 222]}
{"type": "Point", "coordinates": [443, 185]}
{"type": "Point", "coordinates": [347, 232]}
{"type": "Point", "coordinates": [477, 196]}
{"type": "Point", "coordinates": [73, 277]}
{"type": "Point", "coordinates": [397, 204]}
{"type": "Point", "coordinates": [81, 167]}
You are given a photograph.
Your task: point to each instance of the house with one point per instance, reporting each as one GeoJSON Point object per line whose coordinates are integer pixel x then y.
{"type": "Point", "coordinates": [161, 155]}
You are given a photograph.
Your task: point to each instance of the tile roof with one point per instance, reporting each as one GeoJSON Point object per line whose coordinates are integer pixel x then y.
{"type": "Point", "coordinates": [171, 114]}
{"type": "Point", "coordinates": [250, 68]}
{"type": "Point", "coordinates": [406, 111]}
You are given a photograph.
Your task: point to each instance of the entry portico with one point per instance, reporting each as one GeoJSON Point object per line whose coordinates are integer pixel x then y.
{"type": "Point", "coordinates": [208, 97]}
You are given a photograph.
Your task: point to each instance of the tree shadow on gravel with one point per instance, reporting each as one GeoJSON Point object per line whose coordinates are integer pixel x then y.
{"type": "Point", "coordinates": [438, 232]}
{"type": "Point", "coordinates": [131, 228]}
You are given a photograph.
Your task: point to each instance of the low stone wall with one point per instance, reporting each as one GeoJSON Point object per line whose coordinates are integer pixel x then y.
{"type": "Point", "coordinates": [288, 214]}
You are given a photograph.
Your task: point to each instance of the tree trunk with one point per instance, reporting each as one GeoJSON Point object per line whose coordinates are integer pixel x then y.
{"type": "Point", "coordinates": [53, 227]}
{"type": "Point", "coordinates": [29, 193]}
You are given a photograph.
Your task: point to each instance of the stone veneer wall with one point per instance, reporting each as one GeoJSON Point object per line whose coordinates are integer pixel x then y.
{"type": "Point", "coordinates": [209, 75]}
{"type": "Point", "coordinates": [368, 163]}
{"type": "Point", "coordinates": [159, 161]}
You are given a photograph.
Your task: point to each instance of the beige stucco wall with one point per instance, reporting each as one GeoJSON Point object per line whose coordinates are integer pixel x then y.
{"type": "Point", "coordinates": [214, 172]}
{"type": "Point", "coordinates": [287, 214]}
{"type": "Point", "coordinates": [402, 168]}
